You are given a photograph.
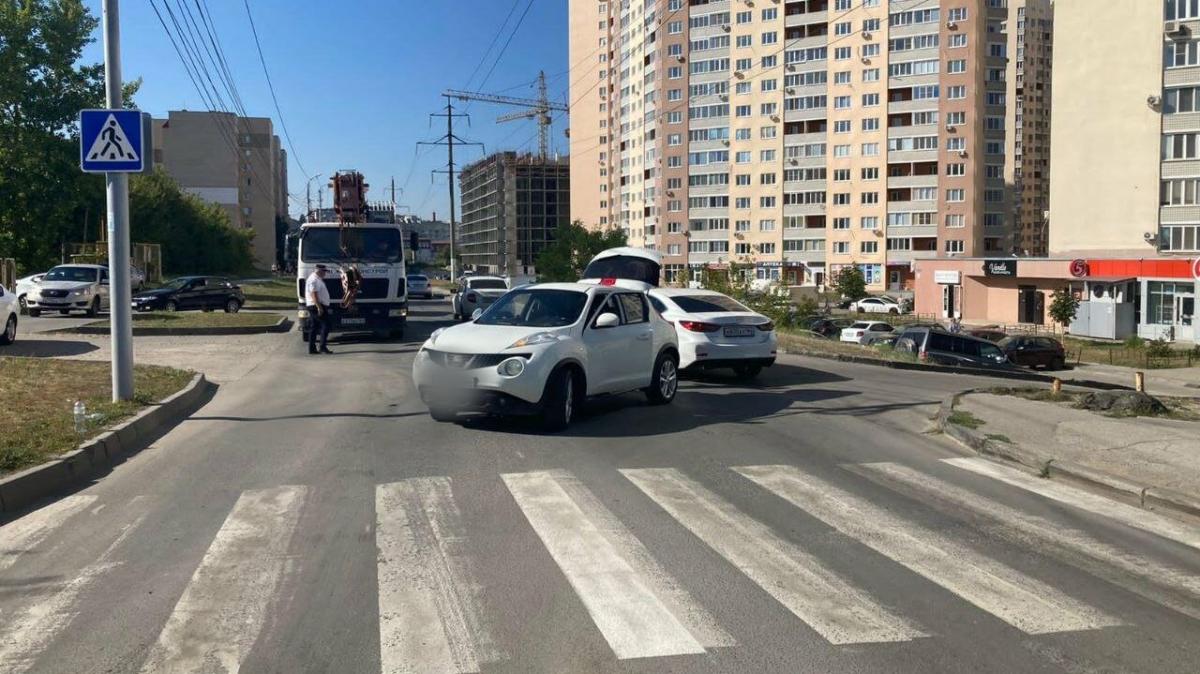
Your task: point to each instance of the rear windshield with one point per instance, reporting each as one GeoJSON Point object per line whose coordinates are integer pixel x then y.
{"type": "Point", "coordinates": [487, 284]}
{"type": "Point", "coordinates": [707, 304]}
{"type": "Point", "coordinates": [626, 267]}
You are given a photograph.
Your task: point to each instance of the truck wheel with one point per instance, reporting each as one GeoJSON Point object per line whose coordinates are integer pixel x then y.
{"type": "Point", "coordinates": [665, 382]}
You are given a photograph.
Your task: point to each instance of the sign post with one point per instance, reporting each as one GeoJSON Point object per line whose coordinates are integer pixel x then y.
{"type": "Point", "coordinates": [112, 142]}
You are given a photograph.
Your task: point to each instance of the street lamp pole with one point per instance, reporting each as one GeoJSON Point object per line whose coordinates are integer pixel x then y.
{"type": "Point", "coordinates": [117, 193]}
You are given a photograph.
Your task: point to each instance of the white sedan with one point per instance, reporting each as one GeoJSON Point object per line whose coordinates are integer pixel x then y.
{"type": "Point", "coordinates": [544, 349]}
{"type": "Point", "coordinates": [24, 286]}
{"type": "Point", "coordinates": [866, 332]}
{"type": "Point", "coordinates": [9, 308]}
{"type": "Point", "coordinates": [877, 305]}
{"type": "Point", "coordinates": [717, 331]}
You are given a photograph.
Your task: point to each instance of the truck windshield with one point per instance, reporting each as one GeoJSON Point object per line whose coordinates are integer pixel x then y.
{"type": "Point", "coordinates": [84, 274]}
{"type": "Point", "coordinates": [535, 309]}
{"type": "Point", "coordinates": [366, 244]}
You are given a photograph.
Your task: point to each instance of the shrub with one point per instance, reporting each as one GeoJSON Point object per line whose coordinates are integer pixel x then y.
{"type": "Point", "coordinates": [1134, 342]}
{"type": "Point", "coordinates": [1159, 348]}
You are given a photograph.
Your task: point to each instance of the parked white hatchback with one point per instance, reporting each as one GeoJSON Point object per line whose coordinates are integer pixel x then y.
{"type": "Point", "coordinates": [544, 349]}
{"type": "Point", "coordinates": [866, 332]}
{"type": "Point", "coordinates": [717, 331]}
{"type": "Point", "coordinates": [9, 308]}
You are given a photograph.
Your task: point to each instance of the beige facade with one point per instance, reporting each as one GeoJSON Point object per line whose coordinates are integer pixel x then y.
{"type": "Point", "coordinates": [800, 136]}
{"type": "Point", "coordinates": [234, 162]}
{"type": "Point", "coordinates": [1107, 128]}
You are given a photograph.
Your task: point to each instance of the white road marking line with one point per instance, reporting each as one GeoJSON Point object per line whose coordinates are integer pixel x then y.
{"type": "Point", "coordinates": [24, 637]}
{"type": "Point", "coordinates": [430, 613]}
{"type": "Point", "coordinates": [1128, 515]}
{"type": "Point", "coordinates": [835, 609]}
{"type": "Point", "coordinates": [24, 533]}
{"type": "Point", "coordinates": [1082, 549]}
{"type": "Point", "coordinates": [222, 611]}
{"type": "Point", "coordinates": [626, 601]}
{"type": "Point", "coordinates": [1019, 600]}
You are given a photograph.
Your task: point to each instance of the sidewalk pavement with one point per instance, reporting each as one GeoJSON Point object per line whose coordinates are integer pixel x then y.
{"type": "Point", "coordinates": [1145, 451]}
{"type": "Point", "coordinates": [1181, 381]}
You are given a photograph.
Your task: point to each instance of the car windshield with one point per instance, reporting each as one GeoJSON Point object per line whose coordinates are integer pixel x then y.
{"type": "Point", "coordinates": [80, 274]}
{"type": "Point", "coordinates": [707, 304]}
{"type": "Point", "coordinates": [366, 244]}
{"type": "Point", "coordinates": [487, 284]}
{"type": "Point", "coordinates": [860, 326]}
{"type": "Point", "coordinates": [535, 308]}
{"type": "Point", "coordinates": [1006, 342]}
{"type": "Point", "coordinates": [627, 267]}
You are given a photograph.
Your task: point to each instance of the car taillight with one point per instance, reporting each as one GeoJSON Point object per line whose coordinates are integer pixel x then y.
{"type": "Point", "coordinates": [922, 356]}
{"type": "Point", "coordinates": [859, 333]}
{"type": "Point", "coordinates": [765, 327]}
{"type": "Point", "coordinates": [697, 326]}
{"type": "Point", "coordinates": [471, 297]}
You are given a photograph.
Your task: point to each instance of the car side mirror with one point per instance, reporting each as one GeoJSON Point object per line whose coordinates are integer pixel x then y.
{"type": "Point", "coordinates": [607, 320]}
{"type": "Point", "coordinates": [476, 314]}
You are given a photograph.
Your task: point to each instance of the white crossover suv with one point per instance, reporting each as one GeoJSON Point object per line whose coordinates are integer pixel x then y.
{"type": "Point", "coordinates": [544, 349]}
{"type": "Point", "coordinates": [717, 331]}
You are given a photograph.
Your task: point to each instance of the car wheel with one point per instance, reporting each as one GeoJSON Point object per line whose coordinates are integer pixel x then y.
{"type": "Point", "coordinates": [34, 313]}
{"type": "Point", "coordinates": [21, 305]}
{"type": "Point", "coordinates": [860, 310]}
{"type": "Point", "coordinates": [442, 414]}
{"type": "Point", "coordinates": [172, 305]}
{"type": "Point", "coordinates": [67, 312]}
{"type": "Point", "coordinates": [665, 382]}
{"type": "Point", "coordinates": [93, 309]}
{"type": "Point", "coordinates": [1059, 363]}
{"type": "Point", "coordinates": [10, 331]}
{"type": "Point", "coordinates": [747, 372]}
{"type": "Point", "coordinates": [558, 402]}
{"type": "Point", "coordinates": [232, 306]}
{"type": "Point", "coordinates": [396, 334]}
{"type": "Point", "coordinates": [893, 311]}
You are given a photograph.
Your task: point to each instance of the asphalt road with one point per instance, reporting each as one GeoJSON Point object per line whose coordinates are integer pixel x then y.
{"type": "Point", "coordinates": [312, 518]}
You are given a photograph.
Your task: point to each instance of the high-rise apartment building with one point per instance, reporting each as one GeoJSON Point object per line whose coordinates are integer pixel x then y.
{"type": "Point", "coordinates": [804, 136]}
{"type": "Point", "coordinates": [512, 204]}
{"type": "Point", "coordinates": [234, 162]}
{"type": "Point", "coordinates": [1030, 33]}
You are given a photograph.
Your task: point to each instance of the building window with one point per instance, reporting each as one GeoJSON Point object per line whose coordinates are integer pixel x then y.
{"type": "Point", "coordinates": [870, 149]}
{"type": "Point", "coordinates": [956, 92]}
{"type": "Point", "coordinates": [1179, 238]}
{"type": "Point", "coordinates": [745, 17]}
{"type": "Point", "coordinates": [841, 175]}
{"type": "Point", "coordinates": [841, 102]}
{"type": "Point", "coordinates": [841, 199]}
{"type": "Point", "coordinates": [841, 150]}
{"type": "Point", "coordinates": [870, 124]}
{"type": "Point", "coordinates": [742, 226]}
{"type": "Point", "coordinates": [869, 247]}
{"type": "Point", "coordinates": [674, 27]}
{"type": "Point", "coordinates": [743, 179]}
{"type": "Point", "coordinates": [958, 40]}
{"type": "Point", "coordinates": [1161, 300]}
{"type": "Point", "coordinates": [869, 198]}
{"type": "Point", "coordinates": [766, 202]}
{"type": "Point", "coordinates": [1182, 9]}
{"type": "Point", "coordinates": [869, 222]}
{"type": "Point", "coordinates": [870, 100]}
{"type": "Point", "coordinates": [956, 169]}
{"type": "Point", "coordinates": [742, 203]}
{"type": "Point", "coordinates": [956, 194]}
{"type": "Point", "coordinates": [766, 225]}
{"type": "Point", "coordinates": [770, 37]}
{"type": "Point", "coordinates": [955, 66]}
{"type": "Point", "coordinates": [869, 173]}
{"type": "Point", "coordinates": [1180, 192]}
{"type": "Point", "coordinates": [841, 247]}
{"type": "Point", "coordinates": [841, 223]}
{"type": "Point", "coordinates": [842, 77]}
{"type": "Point", "coordinates": [955, 246]}
{"type": "Point", "coordinates": [957, 14]}
{"type": "Point", "coordinates": [841, 126]}
{"type": "Point", "coordinates": [956, 220]}
{"type": "Point", "coordinates": [1179, 146]}
{"type": "Point", "coordinates": [1181, 54]}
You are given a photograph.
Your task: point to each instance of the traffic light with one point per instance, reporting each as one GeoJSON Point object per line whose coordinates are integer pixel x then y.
{"type": "Point", "coordinates": [412, 241]}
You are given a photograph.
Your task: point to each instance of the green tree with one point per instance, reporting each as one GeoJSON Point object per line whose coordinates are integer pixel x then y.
{"type": "Point", "coordinates": [1063, 306]}
{"type": "Point", "coordinates": [195, 235]}
{"type": "Point", "coordinates": [43, 85]}
{"type": "Point", "coordinates": [851, 284]}
{"type": "Point", "coordinates": [574, 246]}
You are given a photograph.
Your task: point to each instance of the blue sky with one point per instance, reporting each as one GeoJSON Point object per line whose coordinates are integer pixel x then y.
{"type": "Point", "coordinates": [357, 79]}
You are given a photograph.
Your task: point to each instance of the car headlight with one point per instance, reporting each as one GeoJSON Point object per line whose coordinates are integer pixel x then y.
{"type": "Point", "coordinates": [80, 293]}
{"type": "Point", "coordinates": [535, 339]}
{"type": "Point", "coordinates": [512, 367]}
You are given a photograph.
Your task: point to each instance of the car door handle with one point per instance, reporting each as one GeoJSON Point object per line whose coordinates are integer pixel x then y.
{"type": "Point", "coordinates": [644, 336]}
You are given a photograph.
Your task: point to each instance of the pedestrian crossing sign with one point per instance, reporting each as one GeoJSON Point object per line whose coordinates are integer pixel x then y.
{"type": "Point", "coordinates": [112, 141]}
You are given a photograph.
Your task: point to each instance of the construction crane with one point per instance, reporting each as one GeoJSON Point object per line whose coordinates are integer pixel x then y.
{"type": "Point", "coordinates": [538, 109]}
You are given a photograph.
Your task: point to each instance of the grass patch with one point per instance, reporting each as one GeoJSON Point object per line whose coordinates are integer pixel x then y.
{"type": "Point", "coordinates": [1131, 353]}
{"type": "Point", "coordinates": [811, 344]}
{"type": "Point", "coordinates": [964, 419]}
{"type": "Point", "coordinates": [274, 294]}
{"type": "Point", "coordinates": [198, 319]}
{"type": "Point", "coordinates": [999, 437]}
{"type": "Point", "coordinates": [40, 394]}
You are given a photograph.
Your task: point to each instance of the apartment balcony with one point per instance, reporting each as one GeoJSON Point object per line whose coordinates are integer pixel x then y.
{"type": "Point", "coordinates": [1181, 76]}
{"type": "Point", "coordinates": [805, 18]}
{"type": "Point", "coordinates": [908, 206]}
{"type": "Point", "coordinates": [804, 115]}
{"type": "Point", "coordinates": [930, 180]}
{"type": "Point", "coordinates": [804, 209]}
{"type": "Point", "coordinates": [804, 138]}
{"type": "Point", "coordinates": [912, 156]}
{"type": "Point", "coordinates": [805, 256]}
{"type": "Point", "coordinates": [804, 185]}
{"type": "Point", "coordinates": [913, 80]}
{"type": "Point", "coordinates": [1180, 169]}
{"type": "Point", "coordinates": [911, 131]}
{"type": "Point", "coordinates": [1185, 215]}
{"type": "Point", "coordinates": [914, 231]}
{"type": "Point", "coordinates": [915, 105]}
{"type": "Point", "coordinates": [805, 162]}
{"type": "Point", "coordinates": [708, 234]}
{"type": "Point", "coordinates": [1188, 121]}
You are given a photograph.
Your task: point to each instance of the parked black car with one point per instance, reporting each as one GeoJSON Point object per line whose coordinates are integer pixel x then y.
{"type": "Point", "coordinates": [1035, 351]}
{"type": "Point", "coordinates": [934, 345]}
{"type": "Point", "coordinates": [192, 292]}
{"type": "Point", "coordinates": [830, 328]}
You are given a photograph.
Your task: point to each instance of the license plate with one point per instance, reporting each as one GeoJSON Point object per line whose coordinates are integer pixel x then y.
{"type": "Point", "coordinates": [739, 331]}
{"type": "Point", "coordinates": [354, 321]}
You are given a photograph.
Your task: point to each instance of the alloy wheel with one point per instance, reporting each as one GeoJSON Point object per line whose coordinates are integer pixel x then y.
{"type": "Point", "coordinates": [569, 395]}
{"type": "Point", "coordinates": [668, 379]}
{"type": "Point", "coordinates": [10, 330]}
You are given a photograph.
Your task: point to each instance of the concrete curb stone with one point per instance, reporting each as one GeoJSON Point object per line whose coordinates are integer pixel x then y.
{"type": "Point", "coordinates": [1143, 496]}
{"type": "Point", "coordinates": [283, 325]}
{"type": "Point", "coordinates": [102, 452]}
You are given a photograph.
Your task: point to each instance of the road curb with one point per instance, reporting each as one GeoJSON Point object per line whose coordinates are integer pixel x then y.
{"type": "Point", "coordinates": [99, 454]}
{"type": "Point", "coordinates": [283, 325]}
{"type": "Point", "coordinates": [977, 372]}
{"type": "Point", "coordinates": [1143, 496]}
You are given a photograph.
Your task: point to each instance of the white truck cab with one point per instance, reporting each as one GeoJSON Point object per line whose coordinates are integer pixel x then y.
{"type": "Point", "coordinates": [377, 251]}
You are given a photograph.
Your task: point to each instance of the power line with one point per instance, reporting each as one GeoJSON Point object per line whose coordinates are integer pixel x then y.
{"type": "Point", "coordinates": [507, 42]}
{"type": "Point", "coordinates": [271, 86]}
{"type": "Point", "coordinates": [491, 44]}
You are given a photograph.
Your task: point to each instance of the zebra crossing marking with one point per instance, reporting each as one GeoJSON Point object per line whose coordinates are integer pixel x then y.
{"type": "Point", "coordinates": [27, 531]}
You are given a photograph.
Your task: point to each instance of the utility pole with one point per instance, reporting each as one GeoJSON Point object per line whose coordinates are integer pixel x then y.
{"type": "Point", "coordinates": [117, 193]}
{"type": "Point", "coordinates": [450, 140]}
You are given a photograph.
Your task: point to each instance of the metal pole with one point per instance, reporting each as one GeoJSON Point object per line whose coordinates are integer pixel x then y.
{"type": "Point", "coordinates": [120, 319]}
{"type": "Point", "coordinates": [450, 175]}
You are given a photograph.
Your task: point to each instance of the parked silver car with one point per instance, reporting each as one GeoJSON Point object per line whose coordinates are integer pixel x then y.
{"type": "Point", "coordinates": [475, 292]}
{"type": "Point", "coordinates": [419, 286]}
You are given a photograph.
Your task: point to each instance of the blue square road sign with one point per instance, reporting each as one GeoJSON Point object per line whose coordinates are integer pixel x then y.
{"type": "Point", "coordinates": [112, 141]}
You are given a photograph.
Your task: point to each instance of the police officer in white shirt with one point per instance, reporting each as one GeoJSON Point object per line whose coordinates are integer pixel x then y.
{"type": "Point", "coordinates": [317, 298]}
